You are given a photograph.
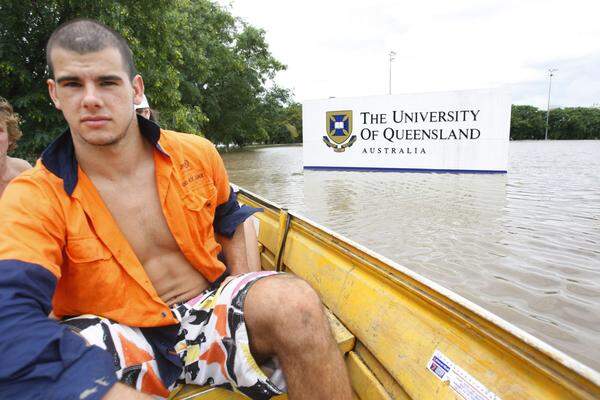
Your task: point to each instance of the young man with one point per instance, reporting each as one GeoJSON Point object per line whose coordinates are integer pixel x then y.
{"type": "Point", "coordinates": [10, 167]}
{"type": "Point", "coordinates": [114, 229]}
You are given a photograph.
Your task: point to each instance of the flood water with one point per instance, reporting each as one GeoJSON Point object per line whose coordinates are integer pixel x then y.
{"type": "Point", "coordinates": [524, 245]}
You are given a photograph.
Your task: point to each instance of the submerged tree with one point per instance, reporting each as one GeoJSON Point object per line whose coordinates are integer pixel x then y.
{"type": "Point", "coordinates": [526, 122]}
{"type": "Point", "coordinates": [575, 123]}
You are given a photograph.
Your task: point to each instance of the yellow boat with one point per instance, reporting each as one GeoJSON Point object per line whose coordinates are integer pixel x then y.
{"type": "Point", "coordinates": [404, 336]}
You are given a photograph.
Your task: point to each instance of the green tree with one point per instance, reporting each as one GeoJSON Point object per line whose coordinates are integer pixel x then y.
{"type": "Point", "coordinates": [572, 123]}
{"type": "Point", "coordinates": [25, 27]}
{"type": "Point", "coordinates": [527, 122]}
{"type": "Point", "coordinates": [235, 91]}
{"type": "Point", "coordinates": [205, 70]}
{"type": "Point", "coordinates": [293, 118]}
{"type": "Point", "coordinates": [273, 115]}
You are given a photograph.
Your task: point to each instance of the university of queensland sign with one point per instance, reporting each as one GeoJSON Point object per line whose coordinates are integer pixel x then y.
{"type": "Point", "coordinates": [465, 131]}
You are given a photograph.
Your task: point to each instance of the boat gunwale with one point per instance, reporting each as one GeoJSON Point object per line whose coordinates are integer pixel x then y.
{"type": "Point", "coordinates": [439, 296]}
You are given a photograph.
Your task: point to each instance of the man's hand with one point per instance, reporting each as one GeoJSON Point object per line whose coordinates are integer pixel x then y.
{"type": "Point", "coordinates": [124, 392]}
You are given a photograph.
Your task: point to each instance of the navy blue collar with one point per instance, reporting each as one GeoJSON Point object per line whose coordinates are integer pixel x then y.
{"type": "Point", "coordinates": [59, 157]}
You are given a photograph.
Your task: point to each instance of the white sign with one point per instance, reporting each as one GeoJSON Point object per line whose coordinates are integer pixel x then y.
{"type": "Point", "coordinates": [464, 131]}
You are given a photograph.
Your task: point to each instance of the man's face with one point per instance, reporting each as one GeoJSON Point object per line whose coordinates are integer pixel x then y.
{"type": "Point", "coordinates": [95, 94]}
{"type": "Point", "coordinates": [4, 142]}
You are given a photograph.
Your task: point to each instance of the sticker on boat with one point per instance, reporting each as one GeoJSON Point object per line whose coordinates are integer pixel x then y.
{"type": "Point", "coordinates": [459, 380]}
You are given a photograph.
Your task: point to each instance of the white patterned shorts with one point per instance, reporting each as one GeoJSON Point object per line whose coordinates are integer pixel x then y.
{"type": "Point", "coordinates": [212, 344]}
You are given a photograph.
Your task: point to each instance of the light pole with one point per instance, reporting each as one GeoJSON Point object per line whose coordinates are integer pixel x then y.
{"type": "Point", "coordinates": [392, 55]}
{"type": "Point", "coordinates": [551, 72]}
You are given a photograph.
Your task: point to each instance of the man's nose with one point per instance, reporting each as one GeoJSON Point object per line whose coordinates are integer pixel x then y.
{"type": "Point", "coordinates": [91, 97]}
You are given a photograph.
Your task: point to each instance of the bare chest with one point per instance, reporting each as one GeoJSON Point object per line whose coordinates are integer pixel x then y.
{"type": "Point", "coordinates": [136, 209]}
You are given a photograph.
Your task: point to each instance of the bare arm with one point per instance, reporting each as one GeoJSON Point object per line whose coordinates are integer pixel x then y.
{"type": "Point", "coordinates": [19, 165]}
{"type": "Point", "coordinates": [23, 165]}
{"type": "Point", "coordinates": [241, 249]}
{"type": "Point", "coordinates": [254, 263]}
{"type": "Point", "coordinates": [234, 250]}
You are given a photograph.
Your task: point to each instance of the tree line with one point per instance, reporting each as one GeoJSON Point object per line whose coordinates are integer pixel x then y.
{"type": "Point", "coordinates": [205, 71]}
{"type": "Point", "coordinates": [572, 123]}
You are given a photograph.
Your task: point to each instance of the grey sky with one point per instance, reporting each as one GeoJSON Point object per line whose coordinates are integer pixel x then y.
{"type": "Point", "coordinates": [339, 48]}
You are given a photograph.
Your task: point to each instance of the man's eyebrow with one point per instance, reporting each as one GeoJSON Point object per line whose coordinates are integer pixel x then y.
{"type": "Point", "coordinates": [101, 78]}
{"type": "Point", "coordinates": [109, 78]}
{"type": "Point", "coordinates": [67, 78]}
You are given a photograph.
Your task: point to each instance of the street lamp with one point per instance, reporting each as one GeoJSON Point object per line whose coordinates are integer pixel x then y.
{"type": "Point", "coordinates": [551, 72]}
{"type": "Point", "coordinates": [392, 55]}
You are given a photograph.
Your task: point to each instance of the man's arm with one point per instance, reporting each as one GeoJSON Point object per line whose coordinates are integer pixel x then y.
{"type": "Point", "coordinates": [229, 225]}
{"type": "Point", "coordinates": [235, 252]}
{"type": "Point", "coordinates": [233, 229]}
{"type": "Point", "coordinates": [40, 358]}
{"type": "Point", "coordinates": [253, 256]}
{"type": "Point", "coordinates": [234, 248]}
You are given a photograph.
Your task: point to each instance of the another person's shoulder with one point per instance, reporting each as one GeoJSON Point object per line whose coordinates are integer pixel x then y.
{"type": "Point", "coordinates": [33, 193]}
{"type": "Point", "coordinates": [32, 179]}
{"type": "Point", "coordinates": [18, 165]}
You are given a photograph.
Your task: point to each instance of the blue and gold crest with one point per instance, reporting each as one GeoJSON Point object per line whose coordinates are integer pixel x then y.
{"type": "Point", "coordinates": [338, 125]}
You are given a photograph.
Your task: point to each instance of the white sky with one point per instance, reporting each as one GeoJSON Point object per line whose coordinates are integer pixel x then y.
{"type": "Point", "coordinates": [339, 48]}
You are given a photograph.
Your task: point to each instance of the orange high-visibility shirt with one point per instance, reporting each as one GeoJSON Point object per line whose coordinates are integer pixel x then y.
{"type": "Point", "coordinates": [53, 217]}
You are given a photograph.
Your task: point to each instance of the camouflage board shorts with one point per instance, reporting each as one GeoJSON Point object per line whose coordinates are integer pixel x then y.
{"type": "Point", "coordinates": [212, 344]}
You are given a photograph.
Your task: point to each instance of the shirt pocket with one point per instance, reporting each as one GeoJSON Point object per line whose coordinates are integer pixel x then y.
{"type": "Point", "coordinates": [200, 203]}
{"type": "Point", "coordinates": [94, 280]}
{"type": "Point", "coordinates": [201, 198]}
{"type": "Point", "coordinates": [86, 250]}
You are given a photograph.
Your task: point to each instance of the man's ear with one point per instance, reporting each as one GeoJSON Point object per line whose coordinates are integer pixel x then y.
{"type": "Point", "coordinates": [138, 89]}
{"type": "Point", "coordinates": [52, 91]}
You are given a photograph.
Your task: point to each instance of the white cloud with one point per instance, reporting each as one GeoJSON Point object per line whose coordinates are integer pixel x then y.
{"type": "Point", "coordinates": [339, 48]}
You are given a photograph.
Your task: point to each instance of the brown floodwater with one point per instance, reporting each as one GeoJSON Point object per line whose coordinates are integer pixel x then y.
{"type": "Point", "coordinates": [524, 245]}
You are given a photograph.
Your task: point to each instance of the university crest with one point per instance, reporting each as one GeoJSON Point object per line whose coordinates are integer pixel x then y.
{"type": "Point", "coordinates": [338, 125]}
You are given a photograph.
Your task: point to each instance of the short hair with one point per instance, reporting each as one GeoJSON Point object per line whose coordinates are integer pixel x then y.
{"type": "Point", "coordinates": [12, 123]}
{"type": "Point", "coordinates": [85, 36]}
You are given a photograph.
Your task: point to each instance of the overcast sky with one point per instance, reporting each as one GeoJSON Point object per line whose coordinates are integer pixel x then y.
{"type": "Point", "coordinates": [339, 48]}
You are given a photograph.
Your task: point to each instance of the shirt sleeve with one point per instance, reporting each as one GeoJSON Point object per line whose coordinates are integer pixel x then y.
{"type": "Point", "coordinates": [40, 357]}
{"type": "Point", "coordinates": [229, 214]}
